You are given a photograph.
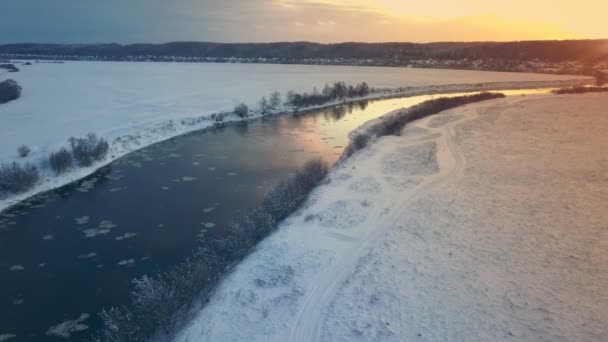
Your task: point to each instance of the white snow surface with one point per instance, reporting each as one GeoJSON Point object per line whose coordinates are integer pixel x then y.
{"type": "Point", "coordinates": [482, 223]}
{"type": "Point", "coordinates": [133, 105]}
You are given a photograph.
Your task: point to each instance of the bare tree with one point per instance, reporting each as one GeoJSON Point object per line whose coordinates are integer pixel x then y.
{"type": "Point", "coordinates": [275, 100]}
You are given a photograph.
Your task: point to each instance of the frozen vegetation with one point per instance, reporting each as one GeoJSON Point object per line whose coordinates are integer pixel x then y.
{"type": "Point", "coordinates": [9, 90]}
{"type": "Point", "coordinates": [481, 223]}
{"type": "Point", "coordinates": [132, 105]}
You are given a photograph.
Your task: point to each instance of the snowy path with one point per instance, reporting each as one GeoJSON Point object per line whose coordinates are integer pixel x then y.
{"type": "Point", "coordinates": [482, 223]}
{"type": "Point", "coordinates": [310, 318]}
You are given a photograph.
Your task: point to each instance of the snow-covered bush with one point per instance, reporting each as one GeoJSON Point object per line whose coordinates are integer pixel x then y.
{"type": "Point", "coordinates": [241, 110]}
{"type": "Point", "coordinates": [275, 100]}
{"type": "Point", "coordinates": [88, 150]}
{"type": "Point", "coordinates": [15, 178]}
{"type": "Point", "coordinates": [23, 151]}
{"type": "Point", "coordinates": [9, 90]}
{"type": "Point", "coordinates": [360, 141]}
{"type": "Point", "coordinates": [393, 125]}
{"type": "Point", "coordinates": [580, 90]}
{"type": "Point", "coordinates": [60, 161]}
{"type": "Point", "coordinates": [10, 67]}
{"type": "Point", "coordinates": [289, 194]}
{"type": "Point", "coordinates": [264, 105]}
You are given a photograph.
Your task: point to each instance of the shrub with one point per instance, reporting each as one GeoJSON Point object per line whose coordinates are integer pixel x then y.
{"type": "Point", "coordinates": [392, 125]}
{"type": "Point", "coordinates": [580, 90]}
{"type": "Point", "coordinates": [360, 141]}
{"type": "Point", "coordinates": [10, 67]}
{"type": "Point", "coordinates": [15, 178]}
{"type": "Point", "coordinates": [23, 151]}
{"type": "Point", "coordinates": [60, 161]}
{"type": "Point", "coordinates": [241, 110]}
{"type": "Point", "coordinates": [290, 194]}
{"type": "Point", "coordinates": [337, 91]}
{"type": "Point", "coordinates": [264, 106]}
{"type": "Point", "coordinates": [9, 90]}
{"type": "Point", "coordinates": [275, 100]}
{"type": "Point", "coordinates": [88, 150]}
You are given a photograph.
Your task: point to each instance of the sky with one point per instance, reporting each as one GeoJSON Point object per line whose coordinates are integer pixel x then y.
{"type": "Point", "coordinates": [327, 21]}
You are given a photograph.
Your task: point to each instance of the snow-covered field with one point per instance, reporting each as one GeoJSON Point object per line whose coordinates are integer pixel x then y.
{"type": "Point", "coordinates": [482, 223]}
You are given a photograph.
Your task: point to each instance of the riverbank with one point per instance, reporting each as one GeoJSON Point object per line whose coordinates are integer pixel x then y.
{"type": "Point", "coordinates": [484, 222]}
{"type": "Point", "coordinates": [137, 138]}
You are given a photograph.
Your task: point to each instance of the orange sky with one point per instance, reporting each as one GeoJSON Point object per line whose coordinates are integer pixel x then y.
{"type": "Point", "coordinates": [440, 20]}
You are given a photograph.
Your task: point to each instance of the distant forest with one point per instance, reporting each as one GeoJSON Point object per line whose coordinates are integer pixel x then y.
{"type": "Point", "coordinates": [568, 50]}
{"type": "Point", "coordinates": [568, 56]}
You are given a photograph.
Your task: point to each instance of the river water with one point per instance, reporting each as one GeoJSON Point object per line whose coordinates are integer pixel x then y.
{"type": "Point", "coordinates": [68, 253]}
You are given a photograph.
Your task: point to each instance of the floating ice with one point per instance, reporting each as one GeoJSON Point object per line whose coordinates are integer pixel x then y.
{"type": "Point", "coordinates": [42, 264]}
{"type": "Point", "coordinates": [196, 163]}
{"type": "Point", "coordinates": [93, 232]}
{"type": "Point", "coordinates": [125, 236]}
{"type": "Point", "coordinates": [231, 174]}
{"type": "Point", "coordinates": [208, 224]}
{"type": "Point", "coordinates": [16, 268]}
{"type": "Point", "coordinates": [87, 256]}
{"type": "Point", "coordinates": [164, 187]}
{"type": "Point", "coordinates": [6, 337]}
{"type": "Point", "coordinates": [82, 220]}
{"type": "Point", "coordinates": [188, 179]}
{"type": "Point", "coordinates": [208, 210]}
{"type": "Point", "coordinates": [67, 328]}
{"type": "Point", "coordinates": [107, 224]}
{"type": "Point", "coordinates": [126, 262]}
{"type": "Point", "coordinates": [18, 301]}
{"type": "Point", "coordinates": [48, 237]}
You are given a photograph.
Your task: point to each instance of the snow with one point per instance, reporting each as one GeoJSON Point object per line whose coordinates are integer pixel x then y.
{"type": "Point", "coordinates": [482, 223]}
{"type": "Point", "coordinates": [133, 105]}
{"type": "Point", "coordinates": [67, 328]}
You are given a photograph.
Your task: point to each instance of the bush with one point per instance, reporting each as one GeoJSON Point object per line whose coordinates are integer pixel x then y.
{"type": "Point", "coordinates": [9, 90]}
{"type": "Point", "coordinates": [580, 90]}
{"type": "Point", "coordinates": [264, 105]}
{"type": "Point", "coordinates": [60, 161]}
{"type": "Point", "coordinates": [15, 178]}
{"type": "Point", "coordinates": [392, 125]}
{"type": "Point", "coordinates": [160, 302]}
{"type": "Point", "coordinates": [10, 67]}
{"type": "Point", "coordinates": [289, 195]}
{"type": "Point", "coordinates": [23, 151]}
{"type": "Point", "coordinates": [337, 91]}
{"type": "Point", "coordinates": [88, 150]}
{"type": "Point", "coordinates": [275, 100]}
{"type": "Point", "coordinates": [241, 110]}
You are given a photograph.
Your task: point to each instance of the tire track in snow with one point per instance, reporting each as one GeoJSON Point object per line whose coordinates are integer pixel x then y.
{"type": "Point", "coordinates": [309, 320]}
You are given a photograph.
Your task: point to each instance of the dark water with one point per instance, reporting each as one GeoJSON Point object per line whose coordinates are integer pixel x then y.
{"type": "Point", "coordinates": [70, 252]}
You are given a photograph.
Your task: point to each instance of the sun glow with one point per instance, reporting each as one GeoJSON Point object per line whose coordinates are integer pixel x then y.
{"type": "Point", "coordinates": [470, 19]}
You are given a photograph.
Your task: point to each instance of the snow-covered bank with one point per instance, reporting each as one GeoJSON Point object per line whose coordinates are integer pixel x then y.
{"type": "Point", "coordinates": [134, 114]}
{"type": "Point", "coordinates": [482, 223]}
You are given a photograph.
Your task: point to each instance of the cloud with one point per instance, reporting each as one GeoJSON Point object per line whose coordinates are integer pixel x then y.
{"type": "Point", "coordinates": [72, 21]}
